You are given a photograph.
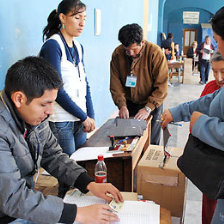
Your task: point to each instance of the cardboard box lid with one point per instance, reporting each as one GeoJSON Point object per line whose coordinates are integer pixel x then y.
{"type": "Point", "coordinates": [150, 170]}
{"type": "Point", "coordinates": [153, 158]}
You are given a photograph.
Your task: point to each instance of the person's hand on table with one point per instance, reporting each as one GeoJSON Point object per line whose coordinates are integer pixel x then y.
{"type": "Point", "coordinates": [123, 112]}
{"type": "Point", "coordinates": [102, 190]}
{"type": "Point", "coordinates": [96, 214]}
{"type": "Point", "coordinates": [142, 114]}
{"type": "Point", "coordinates": [166, 118]}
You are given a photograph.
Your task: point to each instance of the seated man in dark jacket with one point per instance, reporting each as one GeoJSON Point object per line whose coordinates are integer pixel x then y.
{"type": "Point", "coordinates": [193, 53]}
{"type": "Point", "coordinates": [26, 143]}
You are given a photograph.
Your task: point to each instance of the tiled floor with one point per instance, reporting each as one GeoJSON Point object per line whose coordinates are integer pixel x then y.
{"type": "Point", "coordinates": [176, 95]}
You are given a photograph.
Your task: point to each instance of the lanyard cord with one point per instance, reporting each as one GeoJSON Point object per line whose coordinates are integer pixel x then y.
{"type": "Point", "coordinates": [140, 56]}
{"type": "Point", "coordinates": [132, 68]}
{"type": "Point", "coordinates": [73, 59]}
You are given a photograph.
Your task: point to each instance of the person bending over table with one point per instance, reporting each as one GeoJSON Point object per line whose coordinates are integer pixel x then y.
{"type": "Point", "coordinates": [139, 78]}
{"type": "Point", "coordinates": [27, 142]}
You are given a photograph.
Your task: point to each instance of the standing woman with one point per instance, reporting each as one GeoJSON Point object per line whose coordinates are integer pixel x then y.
{"type": "Point", "coordinates": [73, 113]}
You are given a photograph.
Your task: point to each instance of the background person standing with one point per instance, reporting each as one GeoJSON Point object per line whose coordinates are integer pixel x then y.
{"type": "Point", "coordinates": [205, 52]}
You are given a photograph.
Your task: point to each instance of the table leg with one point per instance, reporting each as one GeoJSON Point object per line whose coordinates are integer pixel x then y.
{"type": "Point", "coordinates": [178, 75]}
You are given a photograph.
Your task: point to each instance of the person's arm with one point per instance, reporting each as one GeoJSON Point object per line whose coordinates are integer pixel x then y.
{"type": "Point", "coordinates": [17, 200]}
{"type": "Point", "coordinates": [208, 129]}
{"type": "Point", "coordinates": [172, 50]}
{"type": "Point", "coordinates": [116, 87]}
{"type": "Point", "coordinates": [89, 103]}
{"type": "Point", "coordinates": [212, 50]}
{"type": "Point", "coordinates": [51, 51]}
{"type": "Point", "coordinates": [184, 111]}
{"type": "Point", "coordinates": [67, 170]}
{"type": "Point", "coordinates": [160, 82]}
{"type": "Point", "coordinates": [60, 166]}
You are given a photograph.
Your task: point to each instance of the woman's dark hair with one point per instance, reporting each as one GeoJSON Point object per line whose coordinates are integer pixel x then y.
{"type": "Point", "coordinates": [130, 34]}
{"type": "Point", "coordinates": [217, 57]}
{"type": "Point", "coordinates": [53, 21]}
{"type": "Point", "coordinates": [218, 22]}
{"type": "Point", "coordinates": [32, 76]}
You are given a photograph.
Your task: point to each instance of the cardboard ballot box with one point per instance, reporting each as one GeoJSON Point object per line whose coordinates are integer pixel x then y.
{"type": "Point", "coordinates": [163, 185]}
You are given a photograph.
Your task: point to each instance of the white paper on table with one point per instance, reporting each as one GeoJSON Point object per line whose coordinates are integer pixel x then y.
{"type": "Point", "coordinates": [132, 212]}
{"type": "Point", "coordinates": [76, 197]}
{"type": "Point", "coordinates": [91, 153]}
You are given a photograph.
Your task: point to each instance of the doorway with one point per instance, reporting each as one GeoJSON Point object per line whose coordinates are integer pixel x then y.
{"type": "Point", "coordinates": [189, 36]}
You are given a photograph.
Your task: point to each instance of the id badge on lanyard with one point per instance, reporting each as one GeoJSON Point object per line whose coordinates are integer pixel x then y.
{"type": "Point", "coordinates": [131, 81]}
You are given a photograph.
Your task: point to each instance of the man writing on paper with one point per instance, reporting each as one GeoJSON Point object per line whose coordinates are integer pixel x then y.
{"type": "Point", "coordinates": [139, 78]}
{"type": "Point", "coordinates": [26, 143]}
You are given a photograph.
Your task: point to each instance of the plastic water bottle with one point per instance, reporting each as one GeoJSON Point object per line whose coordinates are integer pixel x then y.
{"type": "Point", "coordinates": [100, 170]}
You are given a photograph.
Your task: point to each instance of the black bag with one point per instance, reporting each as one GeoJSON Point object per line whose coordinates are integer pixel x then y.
{"type": "Point", "coordinates": [204, 166]}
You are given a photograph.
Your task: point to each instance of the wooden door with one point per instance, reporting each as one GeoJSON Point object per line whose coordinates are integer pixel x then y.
{"type": "Point", "coordinates": [189, 36]}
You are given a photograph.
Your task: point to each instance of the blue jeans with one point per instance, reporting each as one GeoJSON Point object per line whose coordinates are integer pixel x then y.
{"type": "Point", "coordinates": [70, 135]}
{"type": "Point", "coordinates": [204, 70]}
{"type": "Point", "coordinates": [21, 221]}
{"type": "Point", "coordinates": [218, 217]}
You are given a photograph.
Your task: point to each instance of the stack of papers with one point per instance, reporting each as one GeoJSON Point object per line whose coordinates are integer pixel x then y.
{"type": "Point", "coordinates": [132, 212]}
{"type": "Point", "coordinates": [91, 153]}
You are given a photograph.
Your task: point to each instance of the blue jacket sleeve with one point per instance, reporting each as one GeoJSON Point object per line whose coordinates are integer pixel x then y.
{"type": "Point", "coordinates": [184, 111]}
{"type": "Point", "coordinates": [209, 127]}
{"type": "Point", "coordinates": [89, 103]}
{"type": "Point", "coordinates": [51, 51]}
{"type": "Point", "coordinates": [210, 130]}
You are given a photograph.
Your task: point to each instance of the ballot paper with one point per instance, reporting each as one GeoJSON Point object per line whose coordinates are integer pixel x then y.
{"type": "Point", "coordinates": [132, 212]}
{"type": "Point", "coordinates": [115, 206]}
{"type": "Point", "coordinates": [91, 153]}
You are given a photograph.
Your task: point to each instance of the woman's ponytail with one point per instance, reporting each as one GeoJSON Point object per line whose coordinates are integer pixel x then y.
{"type": "Point", "coordinates": [53, 26]}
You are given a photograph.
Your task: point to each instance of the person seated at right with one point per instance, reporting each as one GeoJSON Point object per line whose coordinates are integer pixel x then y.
{"type": "Point", "coordinates": [177, 51]}
{"type": "Point", "coordinates": [192, 53]}
{"type": "Point", "coordinates": [217, 61]}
